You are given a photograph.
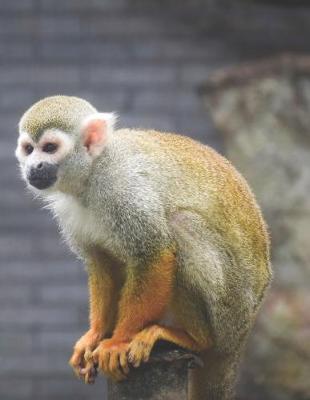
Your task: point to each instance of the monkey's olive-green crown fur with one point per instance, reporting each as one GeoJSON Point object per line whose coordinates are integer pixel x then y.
{"type": "Point", "coordinates": [61, 112]}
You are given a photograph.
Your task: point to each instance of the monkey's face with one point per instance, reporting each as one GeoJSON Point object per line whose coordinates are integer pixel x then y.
{"type": "Point", "coordinates": [59, 137]}
{"type": "Point", "coordinates": [41, 160]}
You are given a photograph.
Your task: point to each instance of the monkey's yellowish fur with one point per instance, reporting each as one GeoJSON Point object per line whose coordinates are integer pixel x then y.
{"type": "Point", "coordinates": [60, 113]}
{"type": "Point", "coordinates": [175, 244]}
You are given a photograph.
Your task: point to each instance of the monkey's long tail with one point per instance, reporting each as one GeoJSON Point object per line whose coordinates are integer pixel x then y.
{"type": "Point", "coordinates": [216, 379]}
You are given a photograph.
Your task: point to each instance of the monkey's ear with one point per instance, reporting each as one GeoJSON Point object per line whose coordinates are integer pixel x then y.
{"type": "Point", "coordinates": [96, 130]}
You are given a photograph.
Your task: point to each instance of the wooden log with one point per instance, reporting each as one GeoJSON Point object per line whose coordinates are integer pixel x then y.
{"type": "Point", "coordinates": [164, 377]}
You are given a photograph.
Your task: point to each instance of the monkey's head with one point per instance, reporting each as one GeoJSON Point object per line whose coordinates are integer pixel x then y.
{"type": "Point", "coordinates": [59, 138]}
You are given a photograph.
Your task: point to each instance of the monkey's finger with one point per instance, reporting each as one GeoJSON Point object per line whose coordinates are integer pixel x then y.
{"type": "Point", "coordinates": [90, 375]}
{"type": "Point", "coordinates": [77, 367]}
{"type": "Point", "coordinates": [133, 352]}
{"type": "Point", "coordinates": [88, 355]}
{"type": "Point", "coordinates": [114, 367]}
{"type": "Point", "coordinates": [123, 360]}
{"type": "Point", "coordinates": [77, 372]}
{"type": "Point", "coordinates": [146, 354]}
{"type": "Point", "coordinates": [77, 359]}
{"type": "Point", "coordinates": [95, 358]}
{"type": "Point", "coordinates": [103, 361]}
{"type": "Point", "coordinates": [136, 354]}
{"type": "Point", "coordinates": [89, 372]}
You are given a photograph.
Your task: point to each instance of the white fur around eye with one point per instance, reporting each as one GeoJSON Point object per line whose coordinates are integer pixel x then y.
{"type": "Point", "coordinates": [63, 141]}
{"type": "Point", "coordinates": [22, 140]}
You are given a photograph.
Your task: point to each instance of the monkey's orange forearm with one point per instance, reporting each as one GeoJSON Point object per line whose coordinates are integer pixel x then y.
{"type": "Point", "coordinates": [144, 298]}
{"type": "Point", "coordinates": [101, 288]}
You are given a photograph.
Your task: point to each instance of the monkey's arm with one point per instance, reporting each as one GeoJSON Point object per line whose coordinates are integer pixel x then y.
{"type": "Point", "coordinates": [101, 288]}
{"type": "Point", "coordinates": [144, 297]}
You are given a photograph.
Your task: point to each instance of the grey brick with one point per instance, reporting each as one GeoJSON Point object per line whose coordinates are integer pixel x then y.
{"type": "Point", "coordinates": [15, 343]}
{"type": "Point", "coordinates": [159, 122]}
{"type": "Point", "coordinates": [111, 51]}
{"type": "Point", "coordinates": [35, 365]}
{"type": "Point", "coordinates": [25, 221]}
{"type": "Point", "coordinates": [17, 294]}
{"type": "Point", "coordinates": [136, 26]}
{"type": "Point", "coordinates": [58, 26]}
{"type": "Point", "coordinates": [56, 76]}
{"type": "Point", "coordinates": [64, 51]}
{"type": "Point", "coordinates": [16, 199]}
{"type": "Point", "coordinates": [30, 316]}
{"type": "Point", "coordinates": [63, 340]}
{"type": "Point", "coordinates": [15, 388]}
{"type": "Point", "coordinates": [9, 126]}
{"type": "Point", "coordinates": [17, 5]}
{"type": "Point", "coordinates": [115, 99]}
{"type": "Point", "coordinates": [90, 6]}
{"type": "Point", "coordinates": [162, 100]}
{"type": "Point", "coordinates": [16, 99]}
{"type": "Point", "coordinates": [180, 50]}
{"type": "Point", "coordinates": [26, 247]}
{"type": "Point", "coordinates": [62, 389]}
{"type": "Point", "coordinates": [36, 271]}
{"type": "Point", "coordinates": [18, 25]}
{"type": "Point", "coordinates": [39, 26]}
{"type": "Point", "coordinates": [7, 150]}
{"type": "Point", "coordinates": [195, 75]}
{"type": "Point", "coordinates": [64, 294]}
{"type": "Point", "coordinates": [11, 175]}
{"type": "Point", "coordinates": [133, 76]}
{"type": "Point", "coordinates": [16, 51]}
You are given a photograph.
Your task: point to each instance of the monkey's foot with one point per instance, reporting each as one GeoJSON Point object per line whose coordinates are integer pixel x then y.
{"type": "Point", "coordinates": [81, 360]}
{"type": "Point", "coordinates": [142, 344]}
{"type": "Point", "coordinates": [111, 358]}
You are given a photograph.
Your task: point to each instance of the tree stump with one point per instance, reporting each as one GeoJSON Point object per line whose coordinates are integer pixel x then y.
{"type": "Point", "coordinates": [164, 377]}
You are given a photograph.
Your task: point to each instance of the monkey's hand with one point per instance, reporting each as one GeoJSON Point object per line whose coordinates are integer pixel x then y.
{"type": "Point", "coordinates": [111, 358]}
{"type": "Point", "coordinates": [81, 360]}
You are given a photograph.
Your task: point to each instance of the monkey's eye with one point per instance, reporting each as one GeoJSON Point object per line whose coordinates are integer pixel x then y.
{"type": "Point", "coordinates": [50, 148]}
{"type": "Point", "coordinates": [28, 149]}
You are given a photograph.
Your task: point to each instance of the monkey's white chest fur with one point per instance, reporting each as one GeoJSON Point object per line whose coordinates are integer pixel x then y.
{"type": "Point", "coordinates": [79, 225]}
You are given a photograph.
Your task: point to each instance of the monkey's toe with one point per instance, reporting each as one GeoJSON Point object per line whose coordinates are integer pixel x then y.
{"type": "Point", "coordinates": [77, 362]}
{"type": "Point", "coordinates": [141, 346]}
{"type": "Point", "coordinates": [89, 373]}
{"type": "Point", "coordinates": [111, 358]}
{"type": "Point", "coordinates": [139, 352]}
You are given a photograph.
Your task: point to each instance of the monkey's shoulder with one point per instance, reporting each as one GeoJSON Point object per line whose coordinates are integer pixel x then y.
{"type": "Point", "coordinates": [172, 148]}
{"type": "Point", "coordinates": [162, 139]}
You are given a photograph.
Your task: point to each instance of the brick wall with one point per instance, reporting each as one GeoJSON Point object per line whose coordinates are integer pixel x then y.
{"type": "Point", "coordinates": [144, 60]}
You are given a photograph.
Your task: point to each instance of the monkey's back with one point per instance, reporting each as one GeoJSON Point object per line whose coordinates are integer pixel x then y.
{"type": "Point", "coordinates": [192, 176]}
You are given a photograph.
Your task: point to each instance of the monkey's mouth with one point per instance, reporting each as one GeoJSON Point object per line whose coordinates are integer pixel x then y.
{"type": "Point", "coordinates": [42, 183]}
{"type": "Point", "coordinates": [43, 176]}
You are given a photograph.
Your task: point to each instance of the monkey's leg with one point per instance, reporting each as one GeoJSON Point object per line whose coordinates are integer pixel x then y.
{"type": "Point", "coordinates": [142, 344]}
{"type": "Point", "coordinates": [144, 297]}
{"type": "Point", "coordinates": [100, 294]}
{"type": "Point", "coordinates": [215, 293]}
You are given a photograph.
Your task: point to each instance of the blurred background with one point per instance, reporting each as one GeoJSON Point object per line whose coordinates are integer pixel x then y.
{"type": "Point", "coordinates": [231, 73]}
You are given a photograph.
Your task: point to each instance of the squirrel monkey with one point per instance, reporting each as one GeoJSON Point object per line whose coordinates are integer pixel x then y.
{"type": "Point", "coordinates": [175, 245]}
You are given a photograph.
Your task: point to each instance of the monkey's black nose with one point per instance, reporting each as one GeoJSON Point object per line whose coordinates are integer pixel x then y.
{"type": "Point", "coordinates": [43, 175]}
